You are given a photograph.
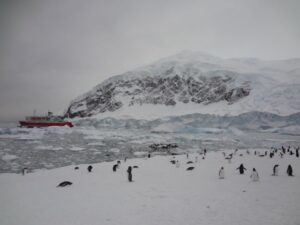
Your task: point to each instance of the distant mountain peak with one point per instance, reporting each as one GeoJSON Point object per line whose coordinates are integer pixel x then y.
{"type": "Point", "coordinates": [200, 79]}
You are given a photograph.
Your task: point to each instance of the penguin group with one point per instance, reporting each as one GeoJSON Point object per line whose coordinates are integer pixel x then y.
{"type": "Point", "coordinates": [272, 153]}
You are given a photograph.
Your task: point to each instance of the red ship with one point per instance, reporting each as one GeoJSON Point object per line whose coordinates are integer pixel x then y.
{"type": "Point", "coordinates": [44, 121]}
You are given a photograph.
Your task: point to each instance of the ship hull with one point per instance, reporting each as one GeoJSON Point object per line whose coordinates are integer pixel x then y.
{"type": "Point", "coordinates": [31, 124]}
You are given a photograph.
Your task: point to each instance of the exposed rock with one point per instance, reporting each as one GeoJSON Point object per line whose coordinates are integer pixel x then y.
{"type": "Point", "coordinates": [158, 90]}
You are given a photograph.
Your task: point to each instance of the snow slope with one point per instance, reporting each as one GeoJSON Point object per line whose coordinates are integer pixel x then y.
{"type": "Point", "coordinates": [161, 194]}
{"type": "Point", "coordinates": [195, 82]}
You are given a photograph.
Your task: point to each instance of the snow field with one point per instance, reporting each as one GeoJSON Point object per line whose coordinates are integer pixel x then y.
{"type": "Point", "coordinates": [160, 194]}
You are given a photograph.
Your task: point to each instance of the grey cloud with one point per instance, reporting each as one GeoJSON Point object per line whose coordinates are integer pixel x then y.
{"type": "Point", "coordinates": [52, 51]}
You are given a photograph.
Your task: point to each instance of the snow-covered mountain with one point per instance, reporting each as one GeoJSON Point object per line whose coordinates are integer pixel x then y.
{"type": "Point", "coordinates": [195, 82]}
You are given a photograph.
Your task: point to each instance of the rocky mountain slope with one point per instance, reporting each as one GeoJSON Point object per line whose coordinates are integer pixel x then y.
{"type": "Point", "coordinates": [205, 83]}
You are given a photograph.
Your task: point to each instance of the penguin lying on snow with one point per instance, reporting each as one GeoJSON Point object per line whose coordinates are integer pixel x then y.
{"type": "Point", "coordinates": [64, 184]}
{"type": "Point", "coordinates": [172, 161]}
{"type": "Point", "coordinates": [190, 168]}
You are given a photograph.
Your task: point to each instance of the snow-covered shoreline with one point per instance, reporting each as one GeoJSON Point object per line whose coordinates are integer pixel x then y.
{"type": "Point", "coordinates": [160, 194]}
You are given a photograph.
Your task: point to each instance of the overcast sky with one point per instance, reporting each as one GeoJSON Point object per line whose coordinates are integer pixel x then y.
{"type": "Point", "coordinates": [51, 51]}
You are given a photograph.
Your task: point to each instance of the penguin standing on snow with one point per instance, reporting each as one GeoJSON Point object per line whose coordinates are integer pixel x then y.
{"type": "Point", "coordinates": [290, 170]}
{"type": "Point", "coordinates": [221, 173]}
{"type": "Point", "coordinates": [229, 160]}
{"type": "Point", "coordinates": [90, 168]}
{"type": "Point", "coordinates": [241, 168]}
{"type": "Point", "coordinates": [115, 167]}
{"type": "Point", "coordinates": [254, 176]}
{"type": "Point", "coordinates": [275, 170]}
{"type": "Point", "coordinates": [24, 171]}
{"type": "Point", "coordinates": [129, 172]}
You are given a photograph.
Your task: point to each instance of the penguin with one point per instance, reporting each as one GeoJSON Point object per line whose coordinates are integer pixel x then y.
{"type": "Point", "coordinates": [229, 160]}
{"type": "Point", "coordinates": [229, 157]}
{"type": "Point", "coordinates": [221, 173]}
{"type": "Point", "coordinates": [64, 184]}
{"type": "Point", "coordinates": [254, 176]}
{"type": "Point", "coordinates": [283, 149]}
{"type": "Point", "coordinates": [241, 168]}
{"type": "Point", "coordinates": [275, 170]}
{"type": "Point", "coordinates": [129, 173]}
{"type": "Point", "coordinates": [90, 168]}
{"type": "Point", "coordinates": [24, 171]}
{"type": "Point", "coordinates": [173, 161]}
{"type": "Point", "coordinates": [115, 167]}
{"type": "Point", "coordinates": [290, 171]}
{"type": "Point", "coordinates": [190, 168]}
